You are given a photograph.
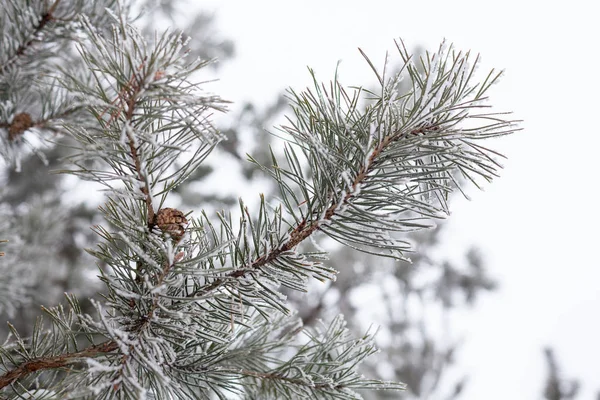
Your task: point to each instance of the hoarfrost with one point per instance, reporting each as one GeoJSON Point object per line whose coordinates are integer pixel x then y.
{"type": "Point", "coordinates": [139, 251]}
{"type": "Point", "coordinates": [346, 178]}
{"type": "Point", "coordinates": [97, 367]}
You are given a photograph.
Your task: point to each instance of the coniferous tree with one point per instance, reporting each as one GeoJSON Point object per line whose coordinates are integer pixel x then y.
{"type": "Point", "coordinates": [193, 305]}
{"type": "Point", "coordinates": [557, 387]}
{"type": "Point", "coordinates": [31, 189]}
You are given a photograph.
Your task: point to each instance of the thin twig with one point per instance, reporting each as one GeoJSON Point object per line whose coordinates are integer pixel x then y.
{"type": "Point", "coordinates": [42, 363]}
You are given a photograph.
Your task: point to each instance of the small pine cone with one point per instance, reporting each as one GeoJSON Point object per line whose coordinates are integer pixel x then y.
{"type": "Point", "coordinates": [171, 221]}
{"type": "Point", "coordinates": [21, 122]}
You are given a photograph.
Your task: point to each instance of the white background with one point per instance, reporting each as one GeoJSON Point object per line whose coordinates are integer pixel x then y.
{"type": "Point", "coordinates": [538, 223]}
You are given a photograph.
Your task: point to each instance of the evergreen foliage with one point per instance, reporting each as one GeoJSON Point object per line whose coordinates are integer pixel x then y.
{"type": "Point", "coordinates": [193, 306]}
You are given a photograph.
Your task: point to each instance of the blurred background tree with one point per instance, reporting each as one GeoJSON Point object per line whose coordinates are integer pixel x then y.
{"type": "Point", "coordinates": [557, 387]}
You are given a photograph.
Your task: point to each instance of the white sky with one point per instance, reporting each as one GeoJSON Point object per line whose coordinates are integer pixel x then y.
{"type": "Point", "coordinates": [538, 223]}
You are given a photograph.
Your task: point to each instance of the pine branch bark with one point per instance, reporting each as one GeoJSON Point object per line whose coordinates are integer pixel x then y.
{"type": "Point", "coordinates": [55, 362]}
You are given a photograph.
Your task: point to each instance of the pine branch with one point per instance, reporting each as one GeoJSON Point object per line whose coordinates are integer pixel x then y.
{"type": "Point", "coordinates": [61, 361]}
{"type": "Point", "coordinates": [369, 168]}
{"type": "Point", "coordinates": [128, 98]}
{"type": "Point", "coordinates": [23, 122]}
{"type": "Point", "coordinates": [34, 36]}
{"type": "Point", "coordinates": [307, 227]}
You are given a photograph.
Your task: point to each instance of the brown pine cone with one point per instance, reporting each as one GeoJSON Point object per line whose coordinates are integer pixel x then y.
{"type": "Point", "coordinates": [21, 122]}
{"type": "Point", "coordinates": [171, 221]}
